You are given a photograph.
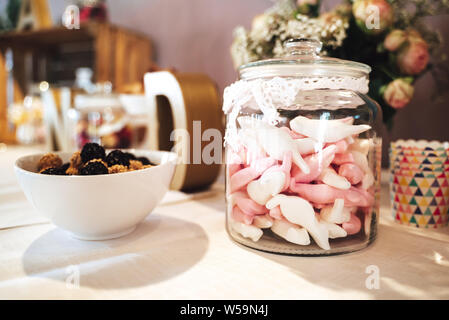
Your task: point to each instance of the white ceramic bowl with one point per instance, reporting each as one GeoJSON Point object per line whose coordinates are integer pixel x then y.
{"type": "Point", "coordinates": [97, 207]}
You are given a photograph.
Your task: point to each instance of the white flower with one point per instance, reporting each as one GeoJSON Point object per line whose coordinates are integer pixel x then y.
{"type": "Point", "coordinates": [239, 48]}
{"type": "Point", "coordinates": [277, 25]}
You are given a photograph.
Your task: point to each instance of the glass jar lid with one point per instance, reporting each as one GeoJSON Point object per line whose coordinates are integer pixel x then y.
{"type": "Point", "coordinates": [303, 60]}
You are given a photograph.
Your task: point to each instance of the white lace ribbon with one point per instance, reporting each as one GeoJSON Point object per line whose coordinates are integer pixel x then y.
{"type": "Point", "coordinates": [267, 95]}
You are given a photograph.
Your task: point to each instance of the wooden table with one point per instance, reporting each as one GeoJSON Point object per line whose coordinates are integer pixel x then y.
{"type": "Point", "coordinates": [182, 251]}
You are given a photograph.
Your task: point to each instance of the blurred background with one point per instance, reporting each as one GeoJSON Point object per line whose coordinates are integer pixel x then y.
{"type": "Point", "coordinates": [191, 36]}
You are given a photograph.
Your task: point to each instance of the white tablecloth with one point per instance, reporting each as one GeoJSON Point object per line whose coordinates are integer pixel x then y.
{"type": "Point", "coordinates": [182, 251]}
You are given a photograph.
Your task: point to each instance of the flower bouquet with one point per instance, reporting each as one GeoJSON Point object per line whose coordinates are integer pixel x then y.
{"type": "Point", "coordinates": [388, 35]}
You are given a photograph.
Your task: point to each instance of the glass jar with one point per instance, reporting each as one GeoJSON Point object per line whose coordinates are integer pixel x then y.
{"type": "Point", "coordinates": [302, 154]}
{"type": "Point", "coordinates": [110, 120]}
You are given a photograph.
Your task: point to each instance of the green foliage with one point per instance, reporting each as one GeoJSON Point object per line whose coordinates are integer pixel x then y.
{"type": "Point", "coordinates": [13, 9]}
{"type": "Point", "coordinates": [8, 21]}
{"type": "Point", "coordinates": [309, 9]}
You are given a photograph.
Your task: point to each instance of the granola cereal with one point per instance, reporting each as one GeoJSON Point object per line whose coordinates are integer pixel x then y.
{"type": "Point", "coordinates": [49, 160]}
{"type": "Point", "coordinates": [97, 162]}
{"type": "Point", "coordinates": [75, 161]}
{"type": "Point", "coordinates": [118, 168]}
{"type": "Point", "coordinates": [135, 165]}
{"type": "Point", "coordinates": [71, 171]}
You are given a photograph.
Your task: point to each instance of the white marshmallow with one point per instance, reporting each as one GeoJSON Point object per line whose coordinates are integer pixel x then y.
{"type": "Point", "coordinates": [308, 145]}
{"type": "Point", "coordinates": [326, 130]}
{"type": "Point", "coordinates": [277, 142]}
{"type": "Point", "coordinates": [337, 213]}
{"type": "Point", "coordinates": [291, 232]}
{"type": "Point", "coordinates": [233, 197]}
{"type": "Point", "coordinates": [299, 211]}
{"type": "Point", "coordinates": [333, 179]}
{"type": "Point", "coordinates": [249, 140]}
{"type": "Point", "coordinates": [361, 160]}
{"type": "Point", "coordinates": [273, 140]}
{"type": "Point", "coordinates": [361, 145]}
{"type": "Point", "coordinates": [263, 221]}
{"type": "Point", "coordinates": [268, 185]}
{"type": "Point", "coordinates": [334, 230]}
{"type": "Point", "coordinates": [247, 231]}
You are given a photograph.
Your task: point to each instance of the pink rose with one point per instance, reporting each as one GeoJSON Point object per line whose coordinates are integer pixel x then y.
{"type": "Point", "coordinates": [394, 39]}
{"type": "Point", "coordinates": [398, 93]}
{"type": "Point", "coordinates": [413, 35]}
{"type": "Point", "coordinates": [373, 16]}
{"type": "Point", "coordinates": [413, 58]}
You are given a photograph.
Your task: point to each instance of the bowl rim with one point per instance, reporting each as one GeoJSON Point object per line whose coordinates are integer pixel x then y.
{"type": "Point", "coordinates": [172, 158]}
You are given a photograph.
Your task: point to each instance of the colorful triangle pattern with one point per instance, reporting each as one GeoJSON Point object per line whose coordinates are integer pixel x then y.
{"type": "Point", "coordinates": [421, 199]}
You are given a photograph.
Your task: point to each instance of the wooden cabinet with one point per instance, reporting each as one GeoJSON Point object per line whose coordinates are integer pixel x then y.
{"type": "Point", "coordinates": [114, 53]}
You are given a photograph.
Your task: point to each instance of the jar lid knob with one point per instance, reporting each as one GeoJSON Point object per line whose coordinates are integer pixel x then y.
{"type": "Point", "coordinates": [303, 47]}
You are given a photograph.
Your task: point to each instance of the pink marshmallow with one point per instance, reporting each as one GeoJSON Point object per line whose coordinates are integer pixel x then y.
{"type": "Point", "coordinates": [316, 193]}
{"type": "Point", "coordinates": [241, 178]}
{"type": "Point", "coordinates": [341, 158]}
{"type": "Point", "coordinates": [276, 213]}
{"type": "Point", "coordinates": [324, 194]}
{"type": "Point", "coordinates": [242, 155]}
{"type": "Point", "coordinates": [316, 162]}
{"type": "Point", "coordinates": [367, 194]}
{"type": "Point", "coordinates": [233, 168]}
{"type": "Point", "coordinates": [351, 172]}
{"type": "Point", "coordinates": [235, 157]}
{"type": "Point", "coordinates": [240, 216]}
{"type": "Point", "coordinates": [353, 226]}
{"type": "Point", "coordinates": [342, 146]}
{"type": "Point", "coordinates": [250, 207]}
{"type": "Point", "coordinates": [262, 164]}
{"type": "Point", "coordinates": [285, 167]}
{"type": "Point", "coordinates": [318, 205]}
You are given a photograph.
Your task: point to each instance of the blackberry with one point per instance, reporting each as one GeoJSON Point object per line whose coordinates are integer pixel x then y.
{"type": "Point", "coordinates": [92, 151]}
{"type": "Point", "coordinates": [130, 156]}
{"type": "Point", "coordinates": [144, 161]}
{"type": "Point", "coordinates": [93, 168]}
{"type": "Point", "coordinates": [50, 171]}
{"type": "Point", "coordinates": [117, 157]}
{"type": "Point", "coordinates": [62, 169]}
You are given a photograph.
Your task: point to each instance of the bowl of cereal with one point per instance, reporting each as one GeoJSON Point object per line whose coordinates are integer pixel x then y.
{"type": "Point", "coordinates": [96, 194]}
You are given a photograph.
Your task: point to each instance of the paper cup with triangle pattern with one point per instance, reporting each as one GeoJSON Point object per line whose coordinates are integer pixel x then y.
{"type": "Point", "coordinates": [399, 157]}
{"type": "Point", "coordinates": [419, 188]}
{"type": "Point", "coordinates": [420, 199]}
{"type": "Point", "coordinates": [418, 161]}
{"type": "Point", "coordinates": [420, 145]}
